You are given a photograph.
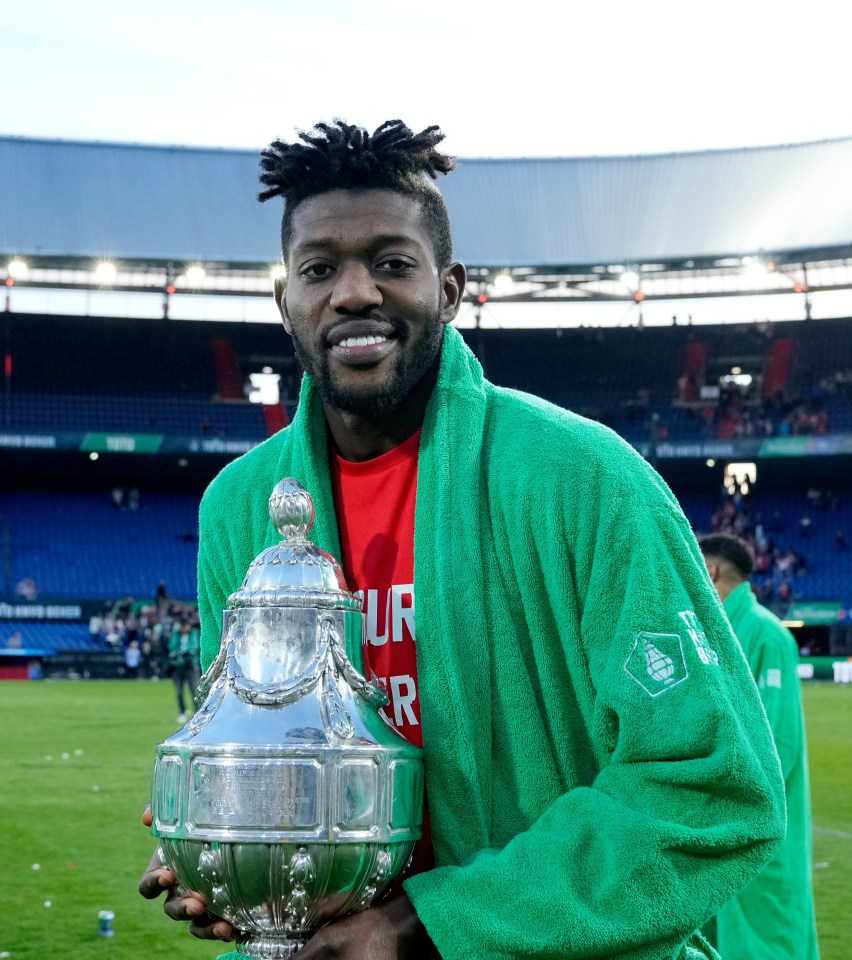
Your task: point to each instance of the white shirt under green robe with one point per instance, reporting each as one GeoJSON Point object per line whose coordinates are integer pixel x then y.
{"type": "Point", "coordinates": [600, 772]}
{"type": "Point", "coordinates": [773, 917]}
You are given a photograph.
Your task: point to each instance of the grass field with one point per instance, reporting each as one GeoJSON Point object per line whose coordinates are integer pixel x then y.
{"type": "Point", "coordinates": [75, 771]}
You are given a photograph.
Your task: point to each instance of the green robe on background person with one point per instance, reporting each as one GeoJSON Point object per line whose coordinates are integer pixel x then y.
{"type": "Point", "coordinates": [599, 770]}
{"type": "Point", "coordinates": [773, 917]}
{"type": "Point", "coordinates": [184, 647]}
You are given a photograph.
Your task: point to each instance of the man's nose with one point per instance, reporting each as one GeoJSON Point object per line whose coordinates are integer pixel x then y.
{"type": "Point", "coordinates": [355, 289]}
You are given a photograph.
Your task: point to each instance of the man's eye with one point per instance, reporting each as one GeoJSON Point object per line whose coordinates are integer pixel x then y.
{"type": "Point", "coordinates": [395, 264]}
{"type": "Point", "coordinates": [316, 271]}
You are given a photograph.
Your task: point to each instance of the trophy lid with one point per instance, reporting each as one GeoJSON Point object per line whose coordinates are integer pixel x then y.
{"type": "Point", "coordinates": [295, 572]}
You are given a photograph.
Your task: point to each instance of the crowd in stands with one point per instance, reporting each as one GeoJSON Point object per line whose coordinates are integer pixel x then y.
{"type": "Point", "coordinates": [736, 413]}
{"type": "Point", "coordinates": [144, 631]}
{"type": "Point", "coordinates": [737, 417]}
{"type": "Point", "coordinates": [778, 564]}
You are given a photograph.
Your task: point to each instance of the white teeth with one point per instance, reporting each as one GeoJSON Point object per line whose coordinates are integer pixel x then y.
{"type": "Point", "coordinates": [361, 341]}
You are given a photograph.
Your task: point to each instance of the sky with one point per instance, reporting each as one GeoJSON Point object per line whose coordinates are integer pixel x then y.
{"type": "Point", "coordinates": [530, 78]}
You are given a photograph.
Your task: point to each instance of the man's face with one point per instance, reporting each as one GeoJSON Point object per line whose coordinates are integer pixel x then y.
{"type": "Point", "coordinates": [365, 302]}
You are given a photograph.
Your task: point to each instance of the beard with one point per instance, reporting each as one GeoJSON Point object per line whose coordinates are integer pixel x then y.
{"type": "Point", "coordinates": [388, 395]}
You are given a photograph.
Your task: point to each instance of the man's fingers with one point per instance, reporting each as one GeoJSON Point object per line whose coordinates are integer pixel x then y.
{"type": "Point", "coordinates": [212, 928]}
{"type": "Point", "coordinates": [147, 816]}
{"type": "Point", "coordinates": [155, 881]}
{"type": "Point", "coordinates": [184, 905]}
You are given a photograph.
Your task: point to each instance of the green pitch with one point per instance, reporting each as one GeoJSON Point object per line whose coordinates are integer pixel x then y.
{"type": "Point", "coordinates": [75, 772]}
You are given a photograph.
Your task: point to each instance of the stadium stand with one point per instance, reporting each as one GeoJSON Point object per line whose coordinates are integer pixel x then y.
{"type": "Point", "coordinates": [73, 379]}
{"type": "Point", "coordinates": [93, 405]}
{"type": "Point", "coordinates": [48, 637]}
{"type": "Point", "coordinates": [98, 550]}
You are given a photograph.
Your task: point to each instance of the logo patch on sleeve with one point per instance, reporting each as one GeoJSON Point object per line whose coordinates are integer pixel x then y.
{"type": "Point", "coordinates": [656, 662]}
{"type": "Point", "coordinates": [699, 638]}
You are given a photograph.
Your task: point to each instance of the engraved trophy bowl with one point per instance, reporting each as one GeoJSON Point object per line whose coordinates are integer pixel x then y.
{"type": "Point", "coordinates": [287, 800]}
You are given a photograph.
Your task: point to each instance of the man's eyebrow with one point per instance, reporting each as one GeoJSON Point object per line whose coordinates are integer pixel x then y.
{"type": "Point", "coordinates": [382, 240]}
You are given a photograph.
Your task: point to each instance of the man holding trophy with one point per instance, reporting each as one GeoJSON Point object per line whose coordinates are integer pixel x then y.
{"type": "Point", "coordinates": [599, 774]}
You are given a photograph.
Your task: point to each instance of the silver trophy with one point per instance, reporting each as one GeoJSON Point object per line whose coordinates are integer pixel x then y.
{"type": "Point", "coordinates": [287, 800]}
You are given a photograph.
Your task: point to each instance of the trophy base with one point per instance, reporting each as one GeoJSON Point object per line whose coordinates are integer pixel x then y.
{"type": "Point", "coordinates": [270, 948]}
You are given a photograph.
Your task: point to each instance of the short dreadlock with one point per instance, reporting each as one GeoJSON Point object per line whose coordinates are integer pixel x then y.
{"type": "Point", "coordinates": [341, 156]}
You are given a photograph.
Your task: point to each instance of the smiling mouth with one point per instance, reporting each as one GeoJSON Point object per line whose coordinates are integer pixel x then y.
{"type": "Point", "coordinates": [370, 341]}
{"type": "Point", "coordinates": [362, 342]}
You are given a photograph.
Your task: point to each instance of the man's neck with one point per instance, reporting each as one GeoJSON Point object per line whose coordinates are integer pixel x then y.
{"type": "Point", "coordinates": [359, 438]}
{"type": "Point", "coordinates": [727, 587]}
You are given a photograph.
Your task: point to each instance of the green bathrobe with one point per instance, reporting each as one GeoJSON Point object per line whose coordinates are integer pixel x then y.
{"type": "Point", "coordinates": [773, 917]}
{"type": "Point", "coordinates": [600, 773]}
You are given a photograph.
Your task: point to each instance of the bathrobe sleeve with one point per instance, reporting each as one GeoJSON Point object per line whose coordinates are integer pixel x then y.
{"type": "Point", "coordinates": [688, 801]}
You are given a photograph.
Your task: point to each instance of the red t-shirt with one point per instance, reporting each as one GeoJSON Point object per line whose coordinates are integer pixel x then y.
{"type": "Point", "coordinates": [374, 502]}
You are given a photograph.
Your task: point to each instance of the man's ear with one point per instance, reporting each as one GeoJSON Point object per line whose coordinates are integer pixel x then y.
{"type": "Point", "coordinates": [453, 282]}
{"type": "Point", "coordinates": [713, 569]}
{"type": "Point", "coordinates": [280, 287]}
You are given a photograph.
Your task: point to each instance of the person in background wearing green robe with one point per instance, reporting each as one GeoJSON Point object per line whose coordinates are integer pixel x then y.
{"type": "Point", "coordinates": [773, 916]}
{"type": "Point", "coordinates": [184, 668]}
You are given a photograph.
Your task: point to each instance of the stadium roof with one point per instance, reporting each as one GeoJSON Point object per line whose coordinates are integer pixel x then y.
{"type": "Point", "coordinates": [562, 227]}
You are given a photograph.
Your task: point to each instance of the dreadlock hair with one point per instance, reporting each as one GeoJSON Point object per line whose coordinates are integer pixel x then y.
{"type": "Point", "coordinates": [341, 156]}
{"type": "Point", "coordinates": [729, 548]}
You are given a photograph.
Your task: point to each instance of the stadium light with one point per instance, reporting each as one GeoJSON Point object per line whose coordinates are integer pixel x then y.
{"type": "Point", "coordinates": [195, 275]}
{"type": "Point", "coordinates": [17, 269]}
{"type": "Point", "coordinates": [278, 271]}
{"type": "Point", "coordinates": [504, 283]}
{"type": "Point", "coordinates": [630, 279]}
{"type": "Point", "coordinates": [754, 268]}
{"type": "Point", "coordinates": [105, 272]}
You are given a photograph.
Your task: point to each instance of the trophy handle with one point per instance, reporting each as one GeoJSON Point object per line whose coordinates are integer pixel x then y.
{"type": "Point", "coordinates": [373, 694]}
{"type": "Point", "coordinates": [211, 675]}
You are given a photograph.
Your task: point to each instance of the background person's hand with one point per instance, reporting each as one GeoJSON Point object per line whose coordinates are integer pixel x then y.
{"type": "Point", "coordinates": [181, 905]}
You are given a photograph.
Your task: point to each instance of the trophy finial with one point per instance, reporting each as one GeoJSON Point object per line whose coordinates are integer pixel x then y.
{"type": "Point", "coordinates": [291, 509]}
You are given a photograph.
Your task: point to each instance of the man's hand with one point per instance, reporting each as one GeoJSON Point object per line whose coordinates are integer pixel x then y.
{"type": "Point", "coordinates": [178, 904]}
{"type": "Point", "coordinates": [390, 931]}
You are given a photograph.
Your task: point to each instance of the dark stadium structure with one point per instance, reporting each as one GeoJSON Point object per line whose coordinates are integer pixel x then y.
{"type": "Point", "coordinates": [111, 427]}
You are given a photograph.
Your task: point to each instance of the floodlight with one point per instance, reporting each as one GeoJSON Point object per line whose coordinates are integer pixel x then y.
{"type": "Point", "coordinates": [17, 269]}
{"type": "Point", "coordinates": [278, 271]}
{"type": "Point", "coordinates": [105, 271]}
{"type": "Point", "coordinates": [630, 279]}
{"type": "Point", "coordinates": [754, 268]}
{"type": "Point", "coordinates": [195, 274]}
{"type": "Point", "coordinates": [504, 282]}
